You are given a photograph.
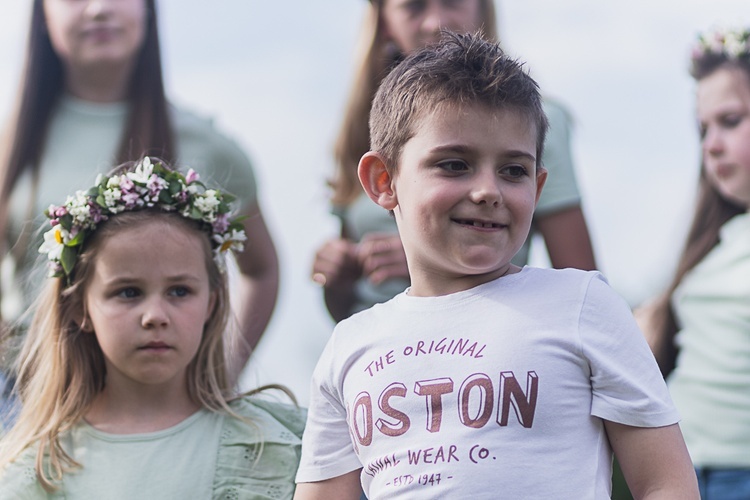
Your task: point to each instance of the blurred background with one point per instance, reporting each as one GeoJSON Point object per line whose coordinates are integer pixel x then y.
{"type": "Point", "coordinates": [275, 75]}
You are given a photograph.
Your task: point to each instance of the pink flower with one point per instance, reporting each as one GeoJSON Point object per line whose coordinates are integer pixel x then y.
{"type": "Point", "coordinates": [58, 212]}
{"type": "Point", "coordinates": [191, 176]}
{"type": "Point", "coordinates": [221, 223]}
{"type": "Point", "coordinates": [126, 184]}
{"type": "Point", "coordinates": [155, 184]}
{"type": "Point", "coordinates": [131, 199]}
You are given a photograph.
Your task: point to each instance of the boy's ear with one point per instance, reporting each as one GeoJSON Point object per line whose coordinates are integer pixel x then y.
{"type": "Point", "coordinates": [541, 179]}
{"type": "Point", "coordinates": [376, 181]}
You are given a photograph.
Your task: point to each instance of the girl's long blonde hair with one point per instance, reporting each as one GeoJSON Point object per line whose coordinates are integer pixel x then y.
{"type": "Point", "coordinates": [375, 56]}
{"type": "Point", "coordinates": [61, 368]}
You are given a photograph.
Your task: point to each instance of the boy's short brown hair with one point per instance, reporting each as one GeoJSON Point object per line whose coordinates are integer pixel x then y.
{"type": "Point", "coordinates": [460, 69]}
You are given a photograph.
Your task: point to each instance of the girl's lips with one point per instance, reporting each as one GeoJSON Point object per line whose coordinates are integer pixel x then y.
{"type": "Point", "coordinates": [155, 346]}
{"type": "Point", "coordinates": [100, 33]}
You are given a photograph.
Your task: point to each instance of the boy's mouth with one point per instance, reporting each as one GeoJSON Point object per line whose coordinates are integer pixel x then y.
{"type": "Point", "coordinates": [478, 223]}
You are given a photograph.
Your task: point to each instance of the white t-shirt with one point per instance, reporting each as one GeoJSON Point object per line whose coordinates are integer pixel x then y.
{"type": "Point", "coordinates": [500, 388]}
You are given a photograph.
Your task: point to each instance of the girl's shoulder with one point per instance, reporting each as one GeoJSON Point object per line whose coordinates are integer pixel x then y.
{"type": "Point", "coordinates": [259, 452]}
{"type": "Point", "coordinates": [267, 412]}
{"type": "Point", "coordinates": [18, 480]}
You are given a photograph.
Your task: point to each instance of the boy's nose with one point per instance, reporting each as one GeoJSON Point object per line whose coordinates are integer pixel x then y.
{"type": "Point", "coordinates": [487, 190]}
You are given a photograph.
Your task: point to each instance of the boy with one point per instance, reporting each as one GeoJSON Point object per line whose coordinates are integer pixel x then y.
{"type": "Point", "coordinates": [482, 380]}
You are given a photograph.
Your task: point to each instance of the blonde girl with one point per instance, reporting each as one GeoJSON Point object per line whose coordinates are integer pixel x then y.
{"type": "Point", "coordinates": [700, 328]}
{"type": "Point", "coordinates": [366, 263]}
{"type": "Point", "coordinates": [122, 377]}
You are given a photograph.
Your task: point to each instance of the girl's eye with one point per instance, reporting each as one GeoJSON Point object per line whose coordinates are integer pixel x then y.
{"type": "Point", "coordinates": [413, 6]}
{"type": "Point", "coordinates": [731, 121]}
{"type": "Point", "coordinates": [514, 171]}
{"type": "Point", "coordinates": [453, 165]}
{"type": "Point", "coordinates": [128, 293]}
{"type": "Point", "coordinates": [179, 291]}
{"type": "Point", "coordinates": [452, 3]}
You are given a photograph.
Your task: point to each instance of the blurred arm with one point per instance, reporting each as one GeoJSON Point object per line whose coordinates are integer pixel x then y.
{"type": "Point", "coordinates": [567, 239]}
{"type": "Point", "coordinates": [258, 288]}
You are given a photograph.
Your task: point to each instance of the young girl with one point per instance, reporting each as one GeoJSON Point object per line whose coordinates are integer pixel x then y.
{"type": "Point", "coordinates": [92, 96]}
{"type": "Point", "coordinates": [366, 264]}
{"type": "Point", "coordinates": [700, 328]}
{"type": "Point", "coordinates": [122, 376]}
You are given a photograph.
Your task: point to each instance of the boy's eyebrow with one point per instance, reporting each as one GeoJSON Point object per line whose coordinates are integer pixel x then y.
{"type": "Point", "coordinates": [464, 149]}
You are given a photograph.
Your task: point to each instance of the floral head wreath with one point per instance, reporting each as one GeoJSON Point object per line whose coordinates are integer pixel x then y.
{"type": "Point", "coordinates": [148, 185]}
{"type": "Point", "coordinates": [732, 44]}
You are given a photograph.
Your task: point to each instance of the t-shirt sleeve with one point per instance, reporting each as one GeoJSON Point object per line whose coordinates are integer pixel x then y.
{"type": "Point", "coordinates": [327, 449]}
{"type": "Point", "coordinates": [218, 158]}
{"type": "Point", "coordinates": [627, 385]}
{"type": "Point", "coordinates": [561, 189]}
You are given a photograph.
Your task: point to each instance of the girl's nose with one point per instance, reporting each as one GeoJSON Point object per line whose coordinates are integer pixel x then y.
{"type": "Point", "coordinates": [434, 18]}
{"type": "Point", "coordinates": [713, 143]}
{"type": "Point", "coordinates": [155, 314]}
{"type": "Point", "coordinates": [96, 8]}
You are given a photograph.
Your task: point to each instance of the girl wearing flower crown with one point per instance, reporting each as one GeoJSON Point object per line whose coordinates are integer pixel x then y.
{"type": "Point", "coordinates": [122, 376]}
{"type": "Point", "coordinates": [366, 264]}
{"type": "Point", "coordinates": [700, 328]}
{"type": "Point", "coordinates": [92, 96]}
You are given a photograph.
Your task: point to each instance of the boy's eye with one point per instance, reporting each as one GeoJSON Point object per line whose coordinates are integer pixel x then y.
{"type": "Point", "coordinates": [514, 171]}
{"type": "Point", "coordinates": [128, 293]}
{"type": "Point", "coordinates": [453, 165]}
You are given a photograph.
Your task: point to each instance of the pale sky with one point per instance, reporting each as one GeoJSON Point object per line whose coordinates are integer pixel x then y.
{"type": "Point", "coordinates": [274, 75]}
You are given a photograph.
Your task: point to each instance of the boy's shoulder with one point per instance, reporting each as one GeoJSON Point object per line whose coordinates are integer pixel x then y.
{"type": "Point", "coordinates": [529, 281]}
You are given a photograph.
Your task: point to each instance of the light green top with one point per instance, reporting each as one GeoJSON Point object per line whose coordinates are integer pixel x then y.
{"type": "Point", "coordinates": [711, 382]}
{"type": "Point", "coordinates": [206, 456]}
{"type": "Point", "coordinates": [82, 141]}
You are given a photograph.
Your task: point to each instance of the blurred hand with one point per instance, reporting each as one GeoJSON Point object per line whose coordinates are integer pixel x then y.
{"type": "Point", "coordinates": [336, 264]}
{"type": "Point", "coordinates": [381, 257]}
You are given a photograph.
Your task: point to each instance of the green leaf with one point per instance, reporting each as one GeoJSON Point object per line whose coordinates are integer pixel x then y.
{"type": "Point", "coordinates": [68, 259]}
{"type": "Point", "coordinates": [77, 240]}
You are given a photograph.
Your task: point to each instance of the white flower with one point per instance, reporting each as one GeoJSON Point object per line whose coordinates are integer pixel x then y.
{"type": "Point", "coordinates": [142, 172]}
{"type": "Point", "coordinates": [233, 240]}
{"type": "Point", "coordinates": [111, 197]}
{"type": "Point", "coordinates": [734, 44]}
{"type": "Point", "coordinates": [78, 207]}
{"type": "Point", "coordinates": [54, 242]}
{"type": "Point", "coordinates": [207, 204]}
{"type": "Point", "coordinates": [112, 182]}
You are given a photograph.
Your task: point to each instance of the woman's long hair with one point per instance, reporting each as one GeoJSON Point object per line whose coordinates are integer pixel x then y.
{"type": "Point", "coordinates": [375, 56]}
{"type": "Point", "coordinates": [61, 368]}
{"type": "Point", "coordinates": [148, 128]}
{"type": "Point", "coordinates": [712, 210]}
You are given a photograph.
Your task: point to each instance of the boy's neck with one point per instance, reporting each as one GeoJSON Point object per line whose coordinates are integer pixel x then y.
{"type": "Point", "coordinates": [436, 286]}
